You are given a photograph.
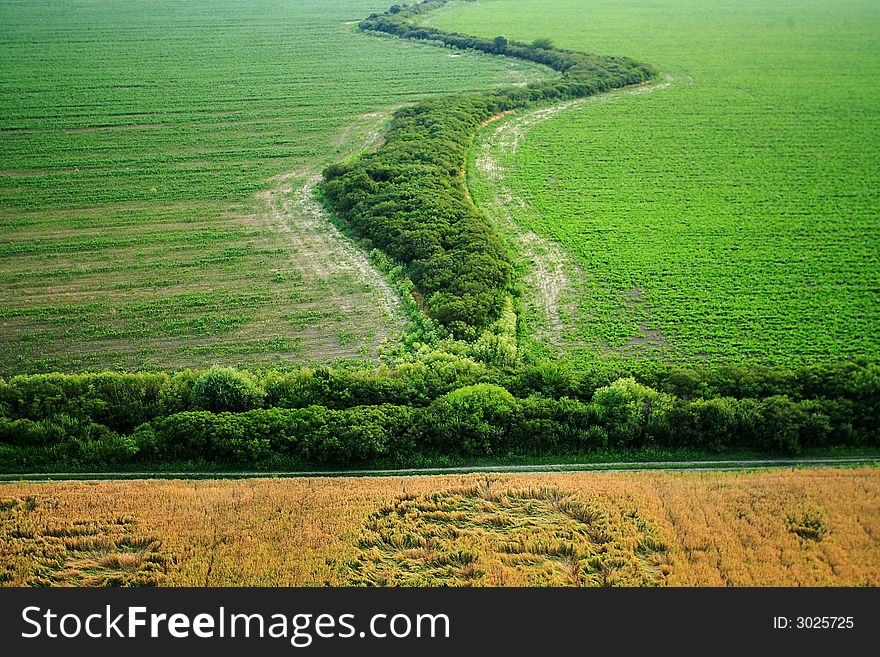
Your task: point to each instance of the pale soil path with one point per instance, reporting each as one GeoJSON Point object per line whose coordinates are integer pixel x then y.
{"type": "Point", "coordinates": [551, 275]}
{"type": "Point", "coordinates": [317, 247]}
{"type": "Point", "coordinates": [617, 466]}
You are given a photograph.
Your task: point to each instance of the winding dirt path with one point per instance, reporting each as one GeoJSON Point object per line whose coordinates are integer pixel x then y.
{"type": "Point", "coordinates": [316, 245]}
{"type": "Point", "coordinates": [552, 275]}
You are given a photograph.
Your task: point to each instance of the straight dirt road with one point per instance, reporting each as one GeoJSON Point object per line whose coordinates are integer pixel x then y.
{"type": "Point", "coordinates": [617, 466]}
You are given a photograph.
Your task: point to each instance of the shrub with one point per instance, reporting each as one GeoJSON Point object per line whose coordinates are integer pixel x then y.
{"type": "Point", "coordinates": [224, 389]}
{"type": "Point", "coordinates": [632, 413]}
{"type": "Point", "coordinates": [475, 420]}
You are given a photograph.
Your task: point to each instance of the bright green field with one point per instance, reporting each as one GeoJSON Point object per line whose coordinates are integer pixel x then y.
{"type": "Point", "coordinates": [134, 139]}
{"type": "Point", "coordinates": [736, 214]}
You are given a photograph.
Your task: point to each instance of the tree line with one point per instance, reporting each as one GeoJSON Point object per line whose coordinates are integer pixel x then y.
{"type": "Point", "coordinates": [408, 197]}
{"type": "Point", "coordinates": [426, 412]}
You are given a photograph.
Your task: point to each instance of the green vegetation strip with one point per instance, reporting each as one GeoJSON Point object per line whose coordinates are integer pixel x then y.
{"type": "Point", "coordinates": [409, 198]}
{"type": "Point", "coordinates": [439, 412]}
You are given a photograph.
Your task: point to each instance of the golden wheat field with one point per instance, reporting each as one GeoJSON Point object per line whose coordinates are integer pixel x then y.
{"type": "Point", "coordinates": [801, 527]}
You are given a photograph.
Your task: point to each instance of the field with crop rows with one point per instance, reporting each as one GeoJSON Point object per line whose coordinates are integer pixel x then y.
{"type": "Point", "coordinates": [795, 527]}
{"type": "Point", "coordinates": [733, 215]}
{"type": "Point", "coordinates": [152, 162]}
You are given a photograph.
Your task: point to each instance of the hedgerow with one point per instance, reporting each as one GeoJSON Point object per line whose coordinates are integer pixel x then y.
{"type": "Point", "coordinates": [441, 408]}
{"type": "Point", "coordinates": [408, 197]}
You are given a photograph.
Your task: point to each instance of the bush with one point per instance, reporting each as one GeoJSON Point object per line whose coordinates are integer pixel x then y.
{"type": "Point", "coordinates": [633, 414]}
{"type": "Point", "coordinates": [224, 389]}
{"type": "Point", "coordinates": [472, 421]}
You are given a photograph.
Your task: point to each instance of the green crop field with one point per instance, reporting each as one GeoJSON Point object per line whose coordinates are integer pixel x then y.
{"type": "Point", "coordinates": [344, 245]}
{"type": "Point", "coordinates": [156, 162]}
{"type": "Point", "coordinates": [731, 214]}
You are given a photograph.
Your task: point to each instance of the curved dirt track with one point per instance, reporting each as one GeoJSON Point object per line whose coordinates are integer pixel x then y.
{"type": "Point", "coordinates": [321, 252]}
{"type": "Point", "coordinates": [551, 275]}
